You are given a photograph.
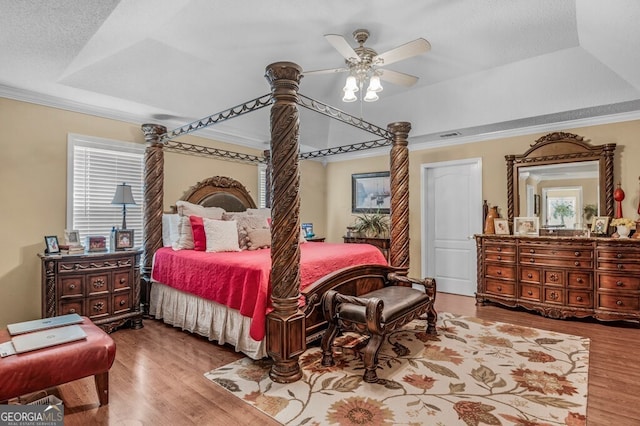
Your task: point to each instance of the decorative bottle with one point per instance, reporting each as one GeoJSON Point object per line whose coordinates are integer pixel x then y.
{"type": "Point", "coordinates": [489, 226]}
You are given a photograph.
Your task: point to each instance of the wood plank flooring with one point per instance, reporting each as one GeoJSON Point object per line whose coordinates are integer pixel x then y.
{"type": "Point", "coordinates": [157, 378]}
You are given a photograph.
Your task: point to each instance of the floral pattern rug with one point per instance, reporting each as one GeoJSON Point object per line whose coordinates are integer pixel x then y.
{"type": "Point", "coordinates": [474, 372]}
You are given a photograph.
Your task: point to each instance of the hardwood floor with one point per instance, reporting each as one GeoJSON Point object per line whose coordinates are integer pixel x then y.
{"type": "Point", "coordinates": [157, 378]}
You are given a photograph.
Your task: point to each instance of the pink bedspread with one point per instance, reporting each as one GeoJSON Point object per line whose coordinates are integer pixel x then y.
{"type": "Point", "coordinates": [240, 280]}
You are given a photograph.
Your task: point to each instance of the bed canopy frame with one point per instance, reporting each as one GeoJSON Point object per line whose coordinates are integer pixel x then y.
{"type": "Point", "coordinates": [285, 329]}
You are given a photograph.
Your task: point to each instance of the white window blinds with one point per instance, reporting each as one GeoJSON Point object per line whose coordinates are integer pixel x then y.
{"type": "Point", "coordinates": [262, 185]}
{"type": "Point", "coordinates": [96, 166]}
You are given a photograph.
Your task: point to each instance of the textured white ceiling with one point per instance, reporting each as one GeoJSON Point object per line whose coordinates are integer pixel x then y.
{"type": "Point", "coordinates": [494, 64]}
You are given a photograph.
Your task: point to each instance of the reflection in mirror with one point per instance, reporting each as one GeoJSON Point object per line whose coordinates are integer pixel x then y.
{"type": "Point", "coordinates": [564, 196]}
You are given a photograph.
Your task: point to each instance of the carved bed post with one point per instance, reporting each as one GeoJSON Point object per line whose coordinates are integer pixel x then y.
{"type": "Point", "coordinates": [510, 201]}
{"type": "Point", "coordinates": [286, 323]}
{"type": "Point", "coordinates": [607, 153]}
{"type": "Point", "coordinates": [153, 204]}
{"type": "Point", "coordinates": [399, 172]}
{"type": "Point", "coordinates": [267, 180]}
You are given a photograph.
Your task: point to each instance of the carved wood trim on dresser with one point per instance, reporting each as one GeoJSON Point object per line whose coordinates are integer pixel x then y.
{"type": "Point", "coordinates": [102, 286]}
{"type": "Point", "coordinates": [561, 277]}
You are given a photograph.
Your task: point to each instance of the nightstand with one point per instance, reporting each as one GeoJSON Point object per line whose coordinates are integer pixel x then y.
{"type": "Point", "coordinates": [103, 286]}
{"type": "Point", "coordinates": [383, 244]}
{"type": "Point", "coordinates": [316, 239]}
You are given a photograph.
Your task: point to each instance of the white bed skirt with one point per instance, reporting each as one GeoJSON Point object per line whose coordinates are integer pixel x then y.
{"type": "Point", "coordinates": [204, 317]}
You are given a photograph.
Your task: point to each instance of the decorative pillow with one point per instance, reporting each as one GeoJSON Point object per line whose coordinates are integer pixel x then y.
{"type": "Point", "coordinates": [221, 235]}
{"type": "Point", "coordinates": [170, 230]}
{"type": "Point", "coordinates": [265, 212]}
{"type": "Point", "coordinates": [186, 208]}
{"type": "Point", "coordinates": [258, 238]}
{"type": "Point", "coordinates": [247, 223]}
{"type": "Point", "coordinates": [185, 235]}
{"type": "Point", "coordinates": [232, 215]}
{"type": "Point", "coordinates": [199, 236]}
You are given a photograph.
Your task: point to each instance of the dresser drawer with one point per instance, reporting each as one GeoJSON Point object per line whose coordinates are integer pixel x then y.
{"type": "Point", "coordinates": [72, 286]}
{"type": "Point", "coordinates": [554, 252]}
{"type": "Point", "coordinates": [497, 247]}
{"type": "Point", "coordinates": [121, 302]}
{"type": "Point", "coordinates": [555, 261]}
{"type": "Point", "coordinates": [553, 277]}
{"type": "Point", "coordinates": [618, 302]}
{"type": "Point", "coordinates": [500, 288]}
{"type": "Point", "coordinates": [71, 306]}
{"type": "Point", "coordinates": [610, 253]}
{"type": "Point", "coordinates": [121, 280]}
{"type": "Point", "coordinates": [619, 282]}
{"type": "Point", "coordinates": [580, 279]}
{"type": "Point", "coordinates": [553, 295]}
{"type": "Point", "coordinates": [582, 299]}
{"type": "Point", "coordinates": [500, 271]}
{"type": "Point", "coordinates": [97, 307]}
{"type": "Point", "coordinates": [530, 292]}
{"type": "Point", "coordinates": [618, 266]}
{"type": "Point", "coordinates": [500, 257]}
{"type": "Point", "coordinates": [97, 283]}
{"type": "Point", "coordinates": [530, 275]}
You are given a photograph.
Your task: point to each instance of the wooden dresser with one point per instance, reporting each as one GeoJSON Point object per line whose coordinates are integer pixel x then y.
{"type": "Point", "coordinates": [561, 277]}
{"type": "Point", "coordinates": [102, 286]}
{"type": "Point", "coordinates": [384, 244]}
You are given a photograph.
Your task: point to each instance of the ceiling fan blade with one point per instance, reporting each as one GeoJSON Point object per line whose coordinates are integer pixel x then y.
{"type": "Point", "coordinates": [327, 71]}
{"type": "Point", "coordinates": [397, 77]}
{"type": "Point", "coordinates": [407, 50]}
{"type": "Point", "coordinates": [341, 45]}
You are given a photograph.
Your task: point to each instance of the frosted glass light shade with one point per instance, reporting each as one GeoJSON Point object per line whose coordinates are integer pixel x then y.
{"type": "Point", "coordinates": [349, 96]}
{"type": "Point", "coordinates": [351, 85]}
{"type": "Point", "coordinates": [374, 84]}
{"type": "Point", "coordinates": [371, 96]}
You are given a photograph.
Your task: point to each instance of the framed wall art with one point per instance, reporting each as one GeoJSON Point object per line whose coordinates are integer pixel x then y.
{"type": "Point", "coordinates": [526, 225]}
{"type": "Point", "coordinates": [371, 193]}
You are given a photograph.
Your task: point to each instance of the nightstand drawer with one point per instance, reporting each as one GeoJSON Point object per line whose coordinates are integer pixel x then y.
{"type": "Point", "coordinates": [72, 306]}
{"type": "Point", "coordinates": [97, 284]}
{"type": "Point", "coordinates": [121, 302]}
{"type": "Point", "coordinates": [72, 286]}
{"type": "Point", "coordinates": [121, 280]}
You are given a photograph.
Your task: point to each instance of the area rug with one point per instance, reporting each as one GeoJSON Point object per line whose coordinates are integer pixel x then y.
{"type": "Point", "coordinates": [473, 372]}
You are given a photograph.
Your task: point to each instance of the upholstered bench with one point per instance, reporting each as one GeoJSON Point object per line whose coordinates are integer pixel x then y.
{"type": "Point", "coordinates": [376, 314]}
{"type": "Point", "coordinates": [28, 372]}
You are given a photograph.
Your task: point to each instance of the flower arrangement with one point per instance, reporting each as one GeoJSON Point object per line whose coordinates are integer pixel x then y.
{"type": "Point", "coordinates": [623, 221]}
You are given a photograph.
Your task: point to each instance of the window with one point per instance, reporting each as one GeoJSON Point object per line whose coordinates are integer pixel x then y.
{"type": "Point", "coordinates": [95, 167]}
{"type": "Point", "coordinates": [262, 185]}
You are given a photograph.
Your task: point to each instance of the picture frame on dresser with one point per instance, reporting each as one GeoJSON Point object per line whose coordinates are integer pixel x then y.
{"type": "Point", "coordinates": [600, 225]}
{"type": "Point", "coordinates": [501, 226]}
{"type": "Point", "coordinates": [123, 239]}
{"type": "Point", "coordinates": [52, 245]}
{"type": "Point", "coordinates": [72, 237]}
{"type": "Point", "coordinates": [526, 225]}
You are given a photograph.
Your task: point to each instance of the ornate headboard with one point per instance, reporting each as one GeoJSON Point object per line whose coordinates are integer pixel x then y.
{"type": "Point", "coordinates": [220, 191]}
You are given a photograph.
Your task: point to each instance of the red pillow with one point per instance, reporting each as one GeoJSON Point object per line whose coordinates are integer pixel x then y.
{"type": "Point", "coordinates": [199, 236]}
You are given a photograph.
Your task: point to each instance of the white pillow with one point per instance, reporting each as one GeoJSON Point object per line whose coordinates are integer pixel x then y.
{"type": "Point", "coordinates": [265, 212]}
{"type": "Point", "coordinates": [186, 208]}
{"type": "Point", "coordinates": [170, 231]}
{"type": "Point", "coordinates": [222, 235]}
{"type": "Point", "coordinates": [185, 235]}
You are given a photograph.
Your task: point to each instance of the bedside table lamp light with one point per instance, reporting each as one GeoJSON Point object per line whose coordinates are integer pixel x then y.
{"type": "Point", "coordinates": [123, 196]}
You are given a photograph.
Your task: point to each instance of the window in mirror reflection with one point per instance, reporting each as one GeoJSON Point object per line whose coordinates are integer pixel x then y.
{"type": "Point", "coordinates": [561, 207]}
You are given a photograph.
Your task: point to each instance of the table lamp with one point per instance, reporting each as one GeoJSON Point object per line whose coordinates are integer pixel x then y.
{"type": "Point", "coordinates": [123, 196]}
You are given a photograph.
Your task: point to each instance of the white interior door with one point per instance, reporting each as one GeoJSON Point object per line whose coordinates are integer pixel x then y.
{"type": "Point", "coordinates": [451, 215]}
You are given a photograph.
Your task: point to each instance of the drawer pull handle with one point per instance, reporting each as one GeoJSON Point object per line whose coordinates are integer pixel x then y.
{"type": "Point", "coordinates": [620, 266]}
{"type": "Point", "coordinates": [619, 283]}
{"type": "Point", "coordinates": [499, 249]}
{"type": "Point", "coordinates": [579, 298]}
{"type": "Point", "coordinates": [499, 257]}
{"type": "Point", "coordinates": [72, 286]}
{"type": "Point", "coordinates": [530, 293]}
{"type": "Point", "coordinates": [532, 251]}
{"type": "Point", "coordinates": [619, 255]}
{"type": "Point", "coordinates": [619, 303]}
{"type": "Point", "coordinates": [122, 302]}
{"type": "Point", "coordinates": [72, 311]}
{"type": "Point", "coordinates": [499, 288]}
{"type": "Point", "coordinates": [98, 306]}
{"type": "Point", "coordinates": [576, 263]}
{"type": "Point", "coordinates": [122, 281]}
{"type": "Point", "coordinates": [529, 275]}
{"type": "Point", "coordinates": [499, 272]}
{"type": "Point", "coordinates": [577, 253]}
{"type": "Point", "coordinates": [579, 280]}
{"type": "Point", "coordinates": [532, 260]}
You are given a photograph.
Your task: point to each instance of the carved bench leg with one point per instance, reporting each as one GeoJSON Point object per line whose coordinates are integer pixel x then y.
{"type": "Point", "coordinates": [327, 345]}
{"type": "Point", "coordinates": [102, 387]}
{"type": "Point", "coordinates": [371, 358]}
{"type": "Point", "coordinates": [432, 319]}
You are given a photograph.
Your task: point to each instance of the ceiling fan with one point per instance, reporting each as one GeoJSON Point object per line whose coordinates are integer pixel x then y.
{"type": "Point", "coordinates": [363, 63]}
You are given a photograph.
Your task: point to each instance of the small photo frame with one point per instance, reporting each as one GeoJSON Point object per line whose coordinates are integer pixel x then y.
{"type": "Point", "coordinates": [526, 225]}
{"type": "Point", "coordinates": [123, 239]}
{"type": "Point", "coordinates": [51, 242]}
{"type": "Point", "coordinates": [501, 226]}
{"type": "Point", "coordinates": [96, 243]}
{"type": "Point", "coordinates": [72, 238]}
{"type": "Point", "coordinates": [307, 228]}
{"type": "Point", "coordinates": [600, 225]}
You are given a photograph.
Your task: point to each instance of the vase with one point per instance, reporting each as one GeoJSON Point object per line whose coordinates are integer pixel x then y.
{"type": "Point", "coordinates": [623, 231]}
{"type": "Point", "coordinates": [489, 225]}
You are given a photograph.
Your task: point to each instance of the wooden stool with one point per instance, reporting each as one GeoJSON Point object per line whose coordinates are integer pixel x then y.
{"type": "Point", "coordinates": [28, 372]}
{"type": "Point", "coordinates": [376, 314]}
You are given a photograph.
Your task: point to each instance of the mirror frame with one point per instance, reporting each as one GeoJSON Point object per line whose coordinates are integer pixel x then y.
{"type": "Point", "coordinates": [558, 148]}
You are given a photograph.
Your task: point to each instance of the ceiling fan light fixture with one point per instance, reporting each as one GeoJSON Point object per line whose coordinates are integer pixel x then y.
{"type": "Point", "coordinates": [349, 96]}
{"type": "Point", "coordinates": [374, 84]}
{"type": "Point", "coordinates": [351, 85]}
{"type": "Point", "coordinates": [371, 96]}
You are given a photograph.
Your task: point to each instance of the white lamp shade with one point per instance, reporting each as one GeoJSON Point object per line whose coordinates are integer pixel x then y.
{"type": "Point", "coordinates": [374, 84]}
{"type": "Point", "coordinates": [371, 96]}
{"type": "Point", "coordinates": [123, 195]}
{"type": "Point", "coordinates": [351, 85]}
{"type": "Point", "coordinates": [349, 96]}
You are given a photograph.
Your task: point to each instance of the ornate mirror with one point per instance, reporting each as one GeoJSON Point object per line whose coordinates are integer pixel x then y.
{"type": "Point", "coordinates": [562, 180]}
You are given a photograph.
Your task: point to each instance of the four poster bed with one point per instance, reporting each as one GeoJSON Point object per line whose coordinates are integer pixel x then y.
{"type": "Point", "coordinates": [288, 312]}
